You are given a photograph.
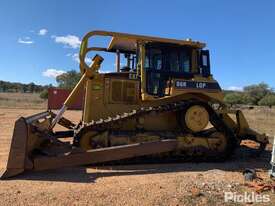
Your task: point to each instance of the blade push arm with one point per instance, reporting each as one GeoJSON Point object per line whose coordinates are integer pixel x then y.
{"type": "Point", "coordinates": [89, 73]}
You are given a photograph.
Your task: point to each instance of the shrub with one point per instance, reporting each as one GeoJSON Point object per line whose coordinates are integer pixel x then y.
{"type": "Point", "coordinates": [233, 98]}
{"type": "Point", "coordinates": [44, 94]}
{"type": "Point", "coordinates": [256, 92]}
{"type": "Point", "coordinates": [247, 99]}
{"type": "Point", "coordinates": [268, 100]}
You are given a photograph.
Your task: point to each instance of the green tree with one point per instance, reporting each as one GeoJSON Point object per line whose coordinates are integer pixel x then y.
{"type": "Point", "coordinates": [19, 87]}
{"type": "Point", "coordinates": [31, 87]}
{"type": "Point", "coordinates": [268, 100]}
{"type": "Point", "coordinates": [234, 98]}
{"type": "Point", "coordinates": [247, 99]}
{"type": "Point", "coordinates": [256, 92]}
{"type": "Point", "coordinates": [68, 80]}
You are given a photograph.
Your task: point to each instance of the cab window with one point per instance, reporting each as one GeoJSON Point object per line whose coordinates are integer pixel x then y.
{"type": "Point", "coordinates": [184, 61]}
{"type": "Point", "coordinates": [163, 62]}
{"type": "Point", "coordinates": [173, 59]}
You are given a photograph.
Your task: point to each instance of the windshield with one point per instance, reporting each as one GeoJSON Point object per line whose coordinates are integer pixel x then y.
{"type": "Point", "coordinates": [163, 62]}
{"type": "Point", "coordinates": [173, 59]}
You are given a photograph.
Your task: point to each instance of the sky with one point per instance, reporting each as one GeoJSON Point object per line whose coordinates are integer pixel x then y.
{"type": "Point", "coordinates": [40, 39]}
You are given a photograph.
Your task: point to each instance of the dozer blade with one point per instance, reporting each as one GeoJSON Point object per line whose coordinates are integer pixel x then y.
{"type": "Point", "coordinates": [23, 141]}
{"type": "Point", "coordinates": [16, 161]}
{"type": "Point", "coordinates": [35, 147]}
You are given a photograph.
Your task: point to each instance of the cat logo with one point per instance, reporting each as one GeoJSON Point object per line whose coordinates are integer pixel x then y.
{"type": "Point", "coordinates": [132, 76]}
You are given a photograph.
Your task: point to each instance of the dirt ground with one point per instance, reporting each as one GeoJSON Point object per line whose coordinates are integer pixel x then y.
{"type": "Point", "coordinates": [148, 184]}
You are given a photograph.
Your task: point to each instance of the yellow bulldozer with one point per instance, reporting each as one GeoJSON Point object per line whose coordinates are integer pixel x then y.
{"type": "Point", "coordinates": [164, 102]}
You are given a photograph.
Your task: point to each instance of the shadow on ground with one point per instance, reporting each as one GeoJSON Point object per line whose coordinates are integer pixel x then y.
{"type": "Point", "coordinates": [242, 158]}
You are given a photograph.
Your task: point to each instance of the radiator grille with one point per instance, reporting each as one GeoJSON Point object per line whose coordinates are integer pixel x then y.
{"type": "Point", "coordinates": [117, 87]}
{"type": "Point", "coordinates": [124, 91]}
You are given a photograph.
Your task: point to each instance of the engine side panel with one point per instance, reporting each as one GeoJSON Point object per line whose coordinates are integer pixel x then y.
{"type": "Point", "coordinates": [116, 93]}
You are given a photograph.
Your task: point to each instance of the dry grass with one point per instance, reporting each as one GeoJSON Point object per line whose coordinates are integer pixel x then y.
{"type": "Point", "coordinates": [261, 119]}
{"type": "Point", "coordinates": [22, 100]}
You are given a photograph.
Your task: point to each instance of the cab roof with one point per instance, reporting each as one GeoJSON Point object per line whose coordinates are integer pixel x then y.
{"type": "Point", "coordinates": [125, 42]}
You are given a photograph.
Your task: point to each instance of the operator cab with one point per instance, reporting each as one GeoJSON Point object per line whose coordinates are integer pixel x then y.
{"type": "Point", "coordinates": [161, 63]}
{"type": "Point", "coordinates": [165, 62]}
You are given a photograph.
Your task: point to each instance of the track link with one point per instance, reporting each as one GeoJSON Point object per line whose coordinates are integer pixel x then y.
{"type": "Point", "coordinates": [103, 125]}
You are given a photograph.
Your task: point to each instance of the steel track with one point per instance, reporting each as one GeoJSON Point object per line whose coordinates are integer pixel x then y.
{"type": "Point", "coordinates": [102, 125]}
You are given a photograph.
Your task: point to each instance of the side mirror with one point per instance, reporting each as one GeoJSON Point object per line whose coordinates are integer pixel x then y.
{"type": "Point", "coordinates": [204, 63]}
